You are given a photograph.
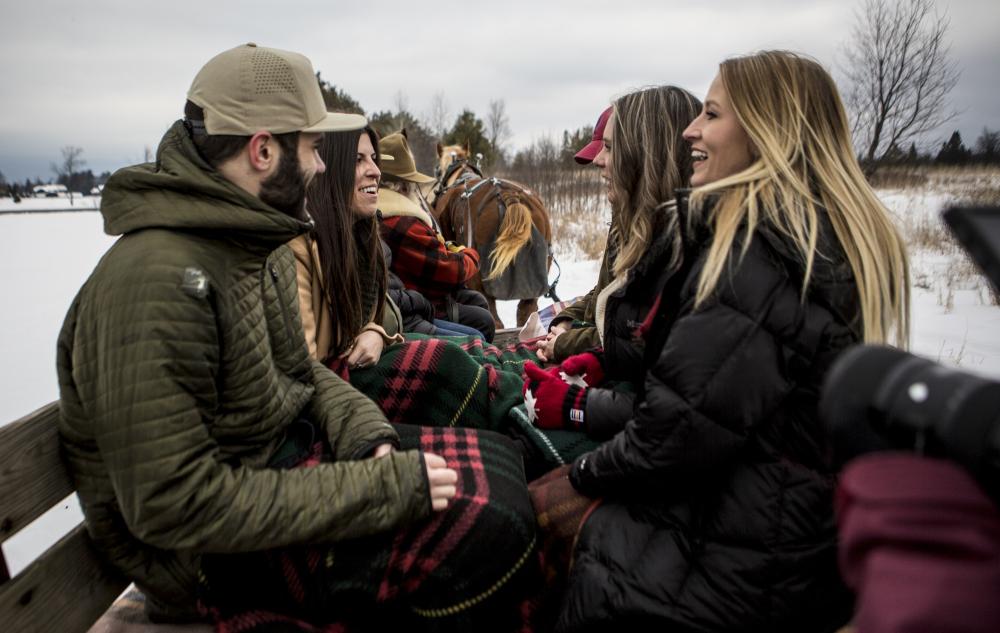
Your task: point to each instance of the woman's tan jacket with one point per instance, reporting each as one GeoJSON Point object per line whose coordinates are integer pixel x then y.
{"type": "Point", "coordinates": [317, 320]}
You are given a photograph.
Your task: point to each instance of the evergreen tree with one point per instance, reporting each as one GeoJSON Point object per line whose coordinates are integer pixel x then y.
{"type": "Point", "coordinates": [337, 100]}
{"type": "Point", "coordinates": [422, 143]}
{"type": "Point", "coordinates": [470, 129]}
{"type": "Point", "coordinates": [953, 151]}
{"type": "Point", "coordinates": [573, 142]}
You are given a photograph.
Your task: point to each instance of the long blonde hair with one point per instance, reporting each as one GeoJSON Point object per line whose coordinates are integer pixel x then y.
{"type": "Point", "coordinates": [649, 162]}
{"type": "Point", "coordinates": [804, 165]}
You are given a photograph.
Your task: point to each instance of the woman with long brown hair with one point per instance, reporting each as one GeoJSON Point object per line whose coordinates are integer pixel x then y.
{"type": "Point", "coordinates": [644, 161]}
{"type": "Point", "coordinates": [353, 329]}
{"type": "Point", "coordinates": [483, 542]}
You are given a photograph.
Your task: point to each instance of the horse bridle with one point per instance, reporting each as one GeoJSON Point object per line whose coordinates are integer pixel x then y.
{"type": "Point", "coordinates": [453, 166]}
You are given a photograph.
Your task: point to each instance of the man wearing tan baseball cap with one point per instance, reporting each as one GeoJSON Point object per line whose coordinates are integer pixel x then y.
{"type": "Point", "coordinates": [186, 387]}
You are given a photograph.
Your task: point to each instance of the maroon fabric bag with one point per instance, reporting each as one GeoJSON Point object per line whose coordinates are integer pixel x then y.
{"type": "Point", "coordinates": [920, 545]}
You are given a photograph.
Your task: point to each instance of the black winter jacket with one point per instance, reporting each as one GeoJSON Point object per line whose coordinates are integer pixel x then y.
{"type": "Point", "coordinates": [607, 410]}
{"type": "Point", "coordinates": [718, 509]}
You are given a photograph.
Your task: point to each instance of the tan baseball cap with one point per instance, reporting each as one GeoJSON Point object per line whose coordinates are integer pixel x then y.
{"type": "Point", "coordinates": [395, 151]}
{"type": "Point", "coordinates": [252, 88]}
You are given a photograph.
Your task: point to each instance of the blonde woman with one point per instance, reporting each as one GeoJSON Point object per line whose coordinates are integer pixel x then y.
{"type": "Point", "coordinates": [717, 511]}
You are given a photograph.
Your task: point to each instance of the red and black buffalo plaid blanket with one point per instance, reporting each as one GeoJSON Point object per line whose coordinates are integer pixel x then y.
{"type": "Point", "coordinates": [445, 382]}
{"type": "Point", "coordinates": [468, 568]}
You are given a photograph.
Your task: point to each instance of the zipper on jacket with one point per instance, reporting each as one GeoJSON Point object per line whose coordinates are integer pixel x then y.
{"type": "Point", "coordinates": [289, 330]}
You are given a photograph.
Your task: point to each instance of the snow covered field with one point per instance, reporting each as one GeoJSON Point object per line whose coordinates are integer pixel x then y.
{"type": "Point", "coordinates": [47, 256]}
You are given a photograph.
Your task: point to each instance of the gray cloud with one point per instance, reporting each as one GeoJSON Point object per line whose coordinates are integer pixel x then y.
{"type": "Point", "coordinates": [110, 76]}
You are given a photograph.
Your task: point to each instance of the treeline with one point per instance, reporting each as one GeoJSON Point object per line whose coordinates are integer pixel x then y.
{"type": "Point", "coordinates": [79, 182]}
{"type": "Point", "coordinates": [487, 135]}
{"type": "Point", "coordinates": [484, 136]}
{"type": "Point", "coordinates": [985, 151]}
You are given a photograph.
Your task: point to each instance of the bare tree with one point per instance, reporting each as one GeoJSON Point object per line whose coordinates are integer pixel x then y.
{"type": "Point", "coordinates": [438, 115]}
{"type": "Point", "coordinates": [401, 101]}
{"type": "Point", "coordinates": [899, 74]}
{"type": "Point", "coordinates": [498, 126]}
{"type": "Point", "coordinates": [987, 145]}
{"type": "Point", "coordinates": [72, 161]}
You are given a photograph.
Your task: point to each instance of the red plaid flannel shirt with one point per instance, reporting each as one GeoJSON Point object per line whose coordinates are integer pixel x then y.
{"type": "Point", "coordinates": [423, 262]}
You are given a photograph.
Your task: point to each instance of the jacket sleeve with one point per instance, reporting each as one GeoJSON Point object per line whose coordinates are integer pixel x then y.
{"type": "Point", "coordinates": [583, 310]}
{"type": "Point", "coordinates": [717, 377]}
{"type": "Point", "coordinates": [354, 424]}
{"type": "Point", "coordinates": [392, 320]}
{"type": "Point", "coordinates": [576, 312]}
{"type": "Point", "coordinates": [304, 278]}
{"type": "Point", "coordinates": [576, 341]}
{"type": "Point", "coordinates": [155, 388]}
{"type": "Point", "coordinates": [422, 260]}
{"type": "Point", "coordinates": [607, 412]}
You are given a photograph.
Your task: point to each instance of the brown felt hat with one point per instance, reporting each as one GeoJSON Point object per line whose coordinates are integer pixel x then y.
{"type": "Point", "coordinates": [251, 88]}
{"type": "Point", "coordinates": [398, 159]}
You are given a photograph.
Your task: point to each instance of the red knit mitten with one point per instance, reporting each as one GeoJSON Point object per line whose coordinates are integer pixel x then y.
{"type": "Point", "coordinates": [551, 402]}
{"type": "Point", "coordinates": [588, 365]}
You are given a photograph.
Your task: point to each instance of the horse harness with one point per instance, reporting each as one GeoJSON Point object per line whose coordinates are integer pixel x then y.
{"type": "Point", "coordinates": [498, 188]}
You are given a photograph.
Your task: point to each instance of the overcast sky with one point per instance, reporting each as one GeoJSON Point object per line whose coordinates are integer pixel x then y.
{"type": "Point", "coordinates": [111, 76]}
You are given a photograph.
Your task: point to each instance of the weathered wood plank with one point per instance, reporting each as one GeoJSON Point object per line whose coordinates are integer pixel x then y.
{"type": "Point", "coordinates": [66, 589]}
{"type": "Point", "coordinates": [506, 336]}
{"type": "Point", "coordinates": [32, 475]}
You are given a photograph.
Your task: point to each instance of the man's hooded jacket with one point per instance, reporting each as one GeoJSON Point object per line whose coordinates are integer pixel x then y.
{"type": "Point", "coordinates": [181, 364]}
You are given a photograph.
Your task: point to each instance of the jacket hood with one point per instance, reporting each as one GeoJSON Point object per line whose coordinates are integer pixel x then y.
{"type": "Point", "coordinates": [182, 191]}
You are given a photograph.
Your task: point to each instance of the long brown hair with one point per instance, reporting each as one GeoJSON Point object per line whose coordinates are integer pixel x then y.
{"type": "Point", "coordinates": [789, 107]}
{"type": "Point", "coordinates": [649, 161]}
{"type": "Point", "coordinates": [350, 254]}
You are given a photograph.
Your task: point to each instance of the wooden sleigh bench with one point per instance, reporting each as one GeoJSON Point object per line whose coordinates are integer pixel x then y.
{"type": "Point", "coordinates": [68, 588]}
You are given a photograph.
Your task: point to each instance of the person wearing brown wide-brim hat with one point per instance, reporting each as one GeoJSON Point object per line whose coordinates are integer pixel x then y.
{"type": "Point", "coordinates": [421, 258]}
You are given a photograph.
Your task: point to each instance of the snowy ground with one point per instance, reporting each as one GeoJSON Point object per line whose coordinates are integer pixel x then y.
{"type": "Point", "coordinates": [47, 256]}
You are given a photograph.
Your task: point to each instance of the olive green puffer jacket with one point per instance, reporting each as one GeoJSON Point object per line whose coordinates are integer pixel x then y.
{"type": "Point", "coordinates": [181, 364]}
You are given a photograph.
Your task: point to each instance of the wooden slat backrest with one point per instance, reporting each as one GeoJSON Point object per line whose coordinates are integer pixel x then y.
{"type": "Point", "coordinates": [32, 476]}
{"type": "Point", "coordinates": [68, 587]}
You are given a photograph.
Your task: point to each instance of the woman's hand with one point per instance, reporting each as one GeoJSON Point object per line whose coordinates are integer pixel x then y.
{"type": "Point", "coordinates": [546, 347]}
{"type": "Point", "coordinates": [441, 481]}
{"type": "Point", "coordinates": [365, 351]}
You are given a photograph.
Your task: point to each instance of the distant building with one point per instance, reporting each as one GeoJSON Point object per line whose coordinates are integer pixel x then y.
{"type": "Point", "coordinates": [50, 191]}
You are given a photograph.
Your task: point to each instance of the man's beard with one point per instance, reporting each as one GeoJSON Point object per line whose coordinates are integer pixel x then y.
{"type": "Point", "coordinates": [285, 190]}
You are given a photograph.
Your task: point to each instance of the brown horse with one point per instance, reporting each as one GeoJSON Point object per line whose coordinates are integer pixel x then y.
{"type": "Point", "coordinates": [496, 217]}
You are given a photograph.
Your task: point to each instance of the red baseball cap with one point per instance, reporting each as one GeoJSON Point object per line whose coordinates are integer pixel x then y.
{"type": "Point", "coordinates": [590, 151]}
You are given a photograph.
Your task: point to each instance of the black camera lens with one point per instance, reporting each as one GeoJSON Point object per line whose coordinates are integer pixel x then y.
{"type": "Point", "coordinates": [880, 398]}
